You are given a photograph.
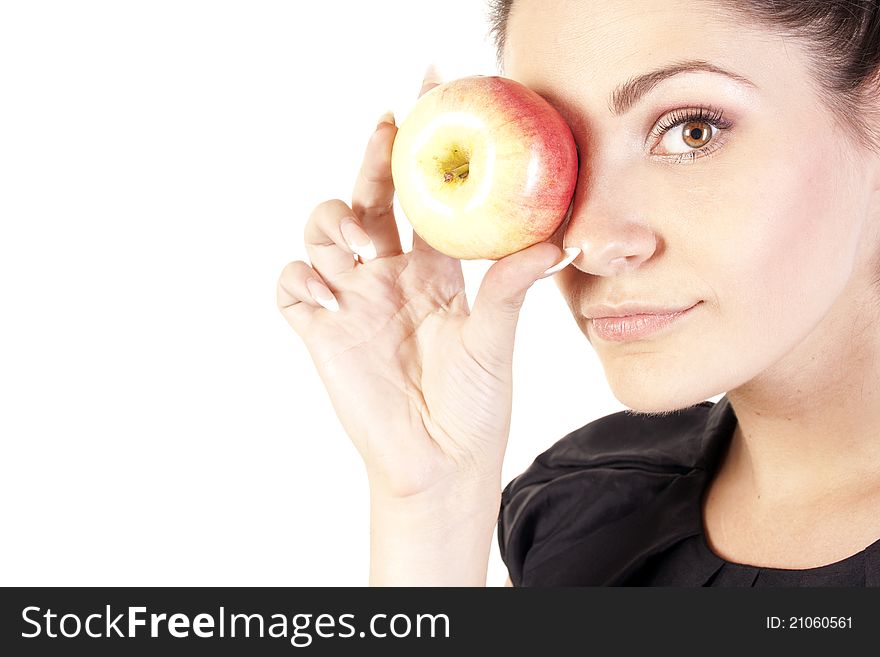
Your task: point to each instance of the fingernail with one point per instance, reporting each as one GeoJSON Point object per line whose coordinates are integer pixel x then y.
{"type": "Point", "coordinates": [322, 294]}
{"type": "Point", "coordinates": [357, 240]}
{"type": "Point", "coordinates": [387, 117]}
{"type": "Point", "coordinates": [432, 75]}
{"type": "Point", "coordinates": [571, 253]}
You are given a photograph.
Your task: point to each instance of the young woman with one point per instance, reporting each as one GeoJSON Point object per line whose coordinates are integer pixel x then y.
{"type": "Point", "coordinates": [724, 237]}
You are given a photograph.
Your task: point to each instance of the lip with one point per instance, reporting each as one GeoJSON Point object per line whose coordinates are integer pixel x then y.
{"type": "Point", "coordinates": [627, 309]}
{"type": "Point", "coordinates": [629, 327]}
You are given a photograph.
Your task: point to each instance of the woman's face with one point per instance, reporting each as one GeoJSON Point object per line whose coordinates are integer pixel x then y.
{"type": "Point", "coordinates": [763, 217]}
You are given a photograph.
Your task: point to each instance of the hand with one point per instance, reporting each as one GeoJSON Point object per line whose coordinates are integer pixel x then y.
{"type": "Point", "coordinates": [421, 383]}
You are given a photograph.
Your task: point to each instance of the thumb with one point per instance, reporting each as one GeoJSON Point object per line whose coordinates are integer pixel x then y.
{"type": "Point", "coordinates": [492, 324]}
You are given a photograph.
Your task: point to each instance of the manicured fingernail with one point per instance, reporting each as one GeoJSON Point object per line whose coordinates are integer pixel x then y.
{"type": "Point", "coordinates": [357, 240]}
{"type": "Point", "coordinates": [432, 75]}
{"type": "Point", "coordinates": [322, 294]}
{"type": "Point", "coordinates": [571, 253]}
{"type": "Point", "coordinates": [387, 117]}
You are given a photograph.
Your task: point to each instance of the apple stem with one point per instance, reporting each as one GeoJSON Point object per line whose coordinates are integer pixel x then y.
{"type": "Point", "coordinates": [457, 172]}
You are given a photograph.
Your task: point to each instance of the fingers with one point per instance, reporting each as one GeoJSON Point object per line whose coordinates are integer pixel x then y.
{"type": "Point", "coordinates": [439, 264]}
{"type": "Point", "coordinates": [333, 237]}
{"type": "Point", "coordinates": [424, 250]}
{"type": "Point", "coordinates": [336, 234]}
{"type": "Point", "coordinates": [300, 292]}
{"type": "Point", "coordinates": [490, 330]}
{"type": "Point", "coordinates": [373, 195]}
{"type": "Point", "coordinates": [431, 79]}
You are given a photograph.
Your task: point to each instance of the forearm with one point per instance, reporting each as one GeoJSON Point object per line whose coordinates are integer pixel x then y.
{"type": "Point", "coordinates": [443, 542]}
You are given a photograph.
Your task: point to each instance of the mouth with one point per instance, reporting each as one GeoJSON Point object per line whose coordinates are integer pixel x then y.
{"type": "Point", "coordinates": [636, 327]}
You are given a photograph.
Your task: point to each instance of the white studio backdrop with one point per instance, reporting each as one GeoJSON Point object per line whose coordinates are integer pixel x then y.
{"type": "Point", "coordinates": [161, 424]}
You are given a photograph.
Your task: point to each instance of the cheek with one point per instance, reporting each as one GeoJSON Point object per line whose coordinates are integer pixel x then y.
{"type": "Point", "coordinates": [786, 243]}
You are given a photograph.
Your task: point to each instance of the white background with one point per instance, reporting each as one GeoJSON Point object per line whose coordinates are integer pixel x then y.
{"type": "Point", "coordinates": [161, 424]}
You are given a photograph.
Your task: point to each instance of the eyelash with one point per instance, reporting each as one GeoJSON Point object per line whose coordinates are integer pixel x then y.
{"type": "Point", "coordinates": [680, 117]}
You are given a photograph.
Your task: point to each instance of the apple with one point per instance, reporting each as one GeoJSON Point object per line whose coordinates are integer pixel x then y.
{"type": "Point", "coordinates": [483, 167]}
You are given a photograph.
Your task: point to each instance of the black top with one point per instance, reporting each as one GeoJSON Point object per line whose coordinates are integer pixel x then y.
{"type": "Point", "coordinates": [618, 502]}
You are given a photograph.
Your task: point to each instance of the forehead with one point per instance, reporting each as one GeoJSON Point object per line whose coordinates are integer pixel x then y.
{"type": "Point", "coordinates": [585, 48]}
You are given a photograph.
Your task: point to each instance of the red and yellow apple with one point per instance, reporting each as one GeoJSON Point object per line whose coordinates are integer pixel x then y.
{"type": "Point", "coordinates": [484, 167]}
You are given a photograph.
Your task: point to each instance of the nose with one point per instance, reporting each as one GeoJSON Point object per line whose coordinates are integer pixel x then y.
{"type": "Point", "coordinates": [608, 224]}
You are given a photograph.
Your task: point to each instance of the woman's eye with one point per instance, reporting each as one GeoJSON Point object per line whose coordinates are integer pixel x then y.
{"type": "Point", "coordinates": [689, 134]}
{"type": "Point", "coordinates": [693, 135]}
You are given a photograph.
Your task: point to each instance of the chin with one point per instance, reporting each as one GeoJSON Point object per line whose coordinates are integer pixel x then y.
{"type": "Point", "coordinates": [643, 395]}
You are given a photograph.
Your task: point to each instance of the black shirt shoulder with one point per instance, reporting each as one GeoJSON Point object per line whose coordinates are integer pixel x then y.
{"type": "Point", "coordinates": [589, 509]}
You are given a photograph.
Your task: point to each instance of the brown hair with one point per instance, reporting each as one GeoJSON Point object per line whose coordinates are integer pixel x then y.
{"type": "Point", "coordinates": [843, 43]}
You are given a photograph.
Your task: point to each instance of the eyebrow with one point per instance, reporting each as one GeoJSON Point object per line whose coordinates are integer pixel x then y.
{"type": "Point", "coordinates": [629, 93]}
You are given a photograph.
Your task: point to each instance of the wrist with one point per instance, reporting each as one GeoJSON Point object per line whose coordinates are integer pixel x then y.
{"type": "Point", "coordinates": [449, 508]}
{"type": "Point", "coordinates": [442, 539]}
{"type": "Point", "coordinates": [451, 498]}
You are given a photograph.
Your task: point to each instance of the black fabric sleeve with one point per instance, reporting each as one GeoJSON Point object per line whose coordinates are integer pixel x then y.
{"type": "Point", "coordinates": [594, 506]}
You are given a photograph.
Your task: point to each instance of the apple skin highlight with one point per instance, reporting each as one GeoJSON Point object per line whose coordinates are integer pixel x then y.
{"type": "Point", "coordinates": [484, 167]}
